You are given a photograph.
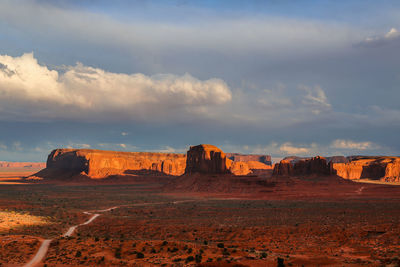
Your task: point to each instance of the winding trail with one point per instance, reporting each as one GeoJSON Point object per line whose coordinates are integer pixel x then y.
{"type": "Point", "coordinates": [44, 247]}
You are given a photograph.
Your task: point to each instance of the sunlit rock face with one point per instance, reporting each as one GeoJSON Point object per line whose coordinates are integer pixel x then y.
{"type": "Point", "coordinates": [99, 164]}
{"type": "Point", "coordinates": [359, 167]}
{"type": "Point", "coordinates": [206, 159]}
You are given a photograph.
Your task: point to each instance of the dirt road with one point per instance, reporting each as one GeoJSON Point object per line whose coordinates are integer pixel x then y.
{"type": "Point", "coordinates": [41, 253]}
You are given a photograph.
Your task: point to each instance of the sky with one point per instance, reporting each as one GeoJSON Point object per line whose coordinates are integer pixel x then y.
{"type": "Point", "coordinates": [267, 77]}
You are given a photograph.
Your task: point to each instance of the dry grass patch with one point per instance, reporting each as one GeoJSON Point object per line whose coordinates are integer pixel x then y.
{"type": "Point", "coordinates": [11, 220]}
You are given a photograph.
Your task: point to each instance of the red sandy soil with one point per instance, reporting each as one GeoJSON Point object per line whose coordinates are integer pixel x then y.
{"type": "Point", "coordinates": [15, 175]}
{"type": "Point", "coordinates": [234, 221]}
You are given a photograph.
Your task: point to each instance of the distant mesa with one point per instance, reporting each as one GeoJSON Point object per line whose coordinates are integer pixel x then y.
{"type": "Point", "coordinates": [379, 168]}
{"type": "Point", "coordinates": [295, 166]}
{"type": "Point", "coordinates": [7, 164]}
{"type": "Point", "coordinates": [236, 157]}
{"type": "Point", "coordinates": [209, 159]}
{"type": "Point", "coordinates": [99, 164]}
{"type": "Point", "coordinates": [352, 167]}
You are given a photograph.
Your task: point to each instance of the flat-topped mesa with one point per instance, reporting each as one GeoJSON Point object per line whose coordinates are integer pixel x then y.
{"type": "Point", "coordinates": [370, 167]}
{"type": "Point", "coordinates": [206, 159]}
{"type": "Point", "coordinates": [302, 167]}
{"type": "Point", "coordinates": [236, 157]}
{"type": "Point", "coordinates": [101, 164]}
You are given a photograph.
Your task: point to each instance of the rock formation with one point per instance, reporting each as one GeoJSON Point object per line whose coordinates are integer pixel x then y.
{"type": "Point", "coordinates": [352, 167]}
{"type": "Point", "coordinates": [302, 167]}
{"type": "Point", "coordinates": [236, 157]}
{"type": "Point", "coordinates": [358, 167]}
{"type": "Point", "coordinates": [207, 159]}
{"type": "Point", "coordinates": [98, 164]}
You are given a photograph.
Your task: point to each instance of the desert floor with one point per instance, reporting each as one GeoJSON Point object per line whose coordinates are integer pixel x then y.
{"type": "Point", "coordinates": [149, 227]}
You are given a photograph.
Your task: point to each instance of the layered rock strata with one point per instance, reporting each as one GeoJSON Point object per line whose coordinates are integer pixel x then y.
{"type": "Point", "coordinates": [101, 164]}
{"type": "Point", "coordinates": [302, 167]}
{"type": "Point", "coordinates": [206, 159]}
{"type": "Point", "coordinates": [378, 168]}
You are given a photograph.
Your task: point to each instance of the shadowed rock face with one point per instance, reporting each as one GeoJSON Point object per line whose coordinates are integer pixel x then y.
{"type": "Point", "coordinates": [383, 168]}
{"type": "Point", "coordinates": [206, 159]}
{"type": "Point", "coordinates": [100, 164]}
{"type": "Point", "coordinates": [299, 166]}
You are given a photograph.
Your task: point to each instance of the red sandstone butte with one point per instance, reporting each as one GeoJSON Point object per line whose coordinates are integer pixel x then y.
{"type": "Point", "coordinates": [302, 166]}
{"type": "Point", "coordinates": [206, 159]}
{"type": "Point", "coordinates": [98, 164]}
{"type": "Point", "coordinates": [378, 168]}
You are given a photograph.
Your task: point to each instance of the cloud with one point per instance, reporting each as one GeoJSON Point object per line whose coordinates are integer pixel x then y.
{"type": "Point", "coordinates": [275, 98]}
{"type": "Point", "coordinates": [392, 35]}
{"type": "Point", "coordinates": [315, 98]}
{"type": "Point", "coordinates": [77, 145]}
{"type": "Point", "coordinates": [32, 91]}
{"type": "Point", "coordinates": [3, 146]}
{"type": "Point", "coordinates": [289, 149]}
{"type": "Point", "coordinates": [222, 33]}
{"type": "Point", "coordinates": [352, 145]}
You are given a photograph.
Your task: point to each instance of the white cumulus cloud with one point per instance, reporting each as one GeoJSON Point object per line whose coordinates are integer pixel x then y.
{"type": "Point", "coordinates": [392, 35]}
{"type": "Point", "coordinates": [352, 145]}
{"type": "Point", "coordinates": [30, 90]}
{"type": "Point", "coordinates": [290, 149]}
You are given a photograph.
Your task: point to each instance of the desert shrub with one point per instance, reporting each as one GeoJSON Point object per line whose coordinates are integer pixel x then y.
{"type": "Point", "coordinates": [280, 262]}
{"type": "Point", "coordinates": [177, 260]}
{"type": "Point", "coordinates": [164, 243]}
{"type": "Point", "coordinates": [117, 253]}
{"type": "Point", "coordinates": [175, 249]}
{"type": "Point", "coordinates": [220, 245]}
{"type": "Point", "coordinates": [226, 253]}
{"type": "Point", "coordinates": [189, 259]}
{"type": "Point", "coordinates": [139, 255]}
{"type": "Point", "coordinates": [263, 255]}
{"type": "Point", "coordinates": [190, 250]}
{"type": "Point", "coordinates": [96, 239]}
{"type": "Point", "coordinates": [205, 242]}
{"type": "Point", "coordinates": [78, 254]}
{"type": "Point", "coordinates": [153, 250]}
{"type": "Point", "coordinates": [198, 258]}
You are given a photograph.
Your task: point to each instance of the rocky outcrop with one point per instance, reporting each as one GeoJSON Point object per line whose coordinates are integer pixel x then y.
{"type": "Point", "coordinates": [206, 159]}
{"type": "Point", "coordinates": [7, 164]}
{"type": "Point", "coordinates": [236, 157]}
{"type": "Point", "coordinates": [302, 167]}
{"type": "Point", "coordinates": [98, 164]}
{"type": "Point", "coordinates": [359, 167]}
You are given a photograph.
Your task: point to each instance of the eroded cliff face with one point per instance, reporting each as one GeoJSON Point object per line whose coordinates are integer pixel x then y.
{"type": "Point", "coordinates": [302, 166]}
{"type": "Point", "coordinates": [378, 168]}
{"type": "Point", "coordinates": [99, 164]}
{"type": "Point", "coordinates": [206, 159]}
